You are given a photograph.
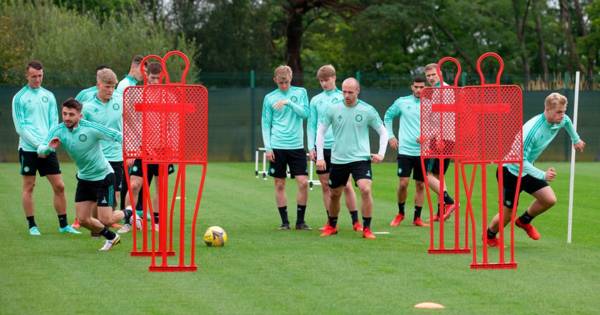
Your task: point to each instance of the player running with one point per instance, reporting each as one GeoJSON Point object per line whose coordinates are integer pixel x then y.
{"type": "Point", "coordinates": [538, 133]}
{"type": "Point", "coordinates": [95, 177]}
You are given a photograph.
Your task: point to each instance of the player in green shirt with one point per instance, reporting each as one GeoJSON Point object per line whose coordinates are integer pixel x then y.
{"type": "Point", "coordinates": [283, 111]}
{"type": "Point", "coordinates": [318, 106]}
{"type": "Point", "coordinates": [34, 112]}
{"type": "Point", "coordinates": [350, 120]}
{"type": "Point", "coordinates": [106, 108]}
{"type": "Point", "coordinates": [538, 133]}
{"type": "Point", "coordinates": [95, 177]}
{"type": "Point", "coordinates": [136, 175]}
{"type": "Point", "coordinates": [433, 165]}
{"type": "Point", "coordinates": [408, 108]}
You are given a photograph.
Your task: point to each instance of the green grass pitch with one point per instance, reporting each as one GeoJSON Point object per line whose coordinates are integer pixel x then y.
{"type": "Point", "coordinates": [265, 271]}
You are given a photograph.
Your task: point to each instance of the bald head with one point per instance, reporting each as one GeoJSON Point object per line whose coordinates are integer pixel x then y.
{"type": "Point", "coordinates": [351, 89]}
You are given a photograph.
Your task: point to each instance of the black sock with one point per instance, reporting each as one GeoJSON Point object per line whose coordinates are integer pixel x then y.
{"type": "Point", "coordinates": [301, 210]}
{"type": "Point", "coordinates": [128, 213]}
{"type": "Point", "coordinates": [366, 222]}
{"type": "Point", "coordinates": [156, 218]}
{"type": "Point", "coordinates": [332, 221]}
{"type": "Point", "coordinates": [31, 222]}
{"type": "Point", "coordinates": [283, 214]}
{"type": "Point", "coordinates": [490, 234]}
{"type": "Point", "coordinates": [438, 209]}
{"type": "Point", "coordinates": [447, 199]}
{"type": "Point", "coordinates": [354, 215]}
{"type": "Point", "coordinates": [418, 212]}
{"type": "Point", "coordinates": [525, 218]}
{"type": "Point", "coordinates": [401, 208]}
{"type": "Point", "coordinates": [107, 234]}
{"type": "Point", "coordinates": [62, 220]}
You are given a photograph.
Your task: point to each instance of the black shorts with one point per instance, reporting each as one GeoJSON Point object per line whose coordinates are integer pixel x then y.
{"type": "Point", "coordinates": [32, 163]}
{"type": "Point", "coordinates": [136, 170]}
{"type": "Point", "coordinates": [433, 166]}
{"type": "Point", "coordinates": [327, 157]}
{"type": "Point", "coordinates": [295, 159]}
{"type": "Point", "coordinates": [529, 184]}
{"type": "Point", "coordinates": [407, 163]}
{"type": "Point", "coordinates": [341, 172]}
{"type": "Point", "coordinates": [118, 168]}
{"type": "Point", "coordinates": [101, 191]}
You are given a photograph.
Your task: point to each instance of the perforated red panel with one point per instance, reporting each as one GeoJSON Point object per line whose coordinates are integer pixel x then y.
{"type": "Point", "coordinates": [439, 107]}
{"type": "Point", "coordinates": [166, 122]}
{"type": "Point", "coordinates": [491, 123]}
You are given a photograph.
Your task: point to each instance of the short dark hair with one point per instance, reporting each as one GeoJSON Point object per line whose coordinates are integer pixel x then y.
{"type": "Point", "coordinates": [72, 103]}
{"type": "Point", "coordinates": [154, 68]}
{"type": "Point", "coordinates": [100, 67]}
{"type": "Point", "coordinates": [35, 65]}
{"type": "Point", "coordinates": [137, 59]}
{"type": "Point", "coordinates": [419, 79]}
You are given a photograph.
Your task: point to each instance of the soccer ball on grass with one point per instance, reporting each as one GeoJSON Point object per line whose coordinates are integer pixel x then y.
{"type": "Point", "coordinates": [215, 236]}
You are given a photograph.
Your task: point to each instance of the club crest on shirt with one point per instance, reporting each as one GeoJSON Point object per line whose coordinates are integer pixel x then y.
{"type": "Point", "coordinates": [339, 118]}
{"type": "Point", "coordinates": [116, 106]}
{"type": "Point", "coordinates": [358, 117]}
{"type": "Point", "coordinates": [294, 99]}
{"type": "Point", "coordinates": [82, 138]}
{"type": "Point", "coordinates": [45, 99]}
{"type": "Point", "coordinates": [334, 100]}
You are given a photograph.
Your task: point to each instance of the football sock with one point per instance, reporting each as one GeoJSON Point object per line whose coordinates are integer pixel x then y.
{"type": "Point", "coordinates": [354, 215]}
{"type": "Point", "coordinates": [31, 221]}
{"type": "Point", "coordinates": [301, 210]}
{"type": "Point", "coordinates": [128, 213]}
{"type": "Point", "coordinates": [107, 234]}
{"type": "Point", "coordinates": [156, 218]}
{"type": "Point", "coordinates": [525, 218]}
{"type": "Point", "coordinates": [418, 212]}
{"type": "Point", "coordinates": [283, 215]}
{"type": "Point", "coordinates": [447, 199]}
{"type": "Point", "coordinates": [401, 208]}
{"type": "Point", "coordinates": [332, 221]}
{"type": "Point", "coordinates": [62, 220]}
{"type": "Point", "coordinates": [491, 234]}
{"type": "Point", "coordinates": [366, 222]}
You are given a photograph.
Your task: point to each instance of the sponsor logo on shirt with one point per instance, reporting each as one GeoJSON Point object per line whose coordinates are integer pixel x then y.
{"type": "Point", "coordinates": [334, 100]}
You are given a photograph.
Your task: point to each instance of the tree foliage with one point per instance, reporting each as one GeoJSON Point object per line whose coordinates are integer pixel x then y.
{"type": "Point", "coordinates": [71, 45]}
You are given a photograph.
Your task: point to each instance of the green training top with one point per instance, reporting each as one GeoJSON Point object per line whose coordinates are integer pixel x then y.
{"type": "Point", "coordinates": [351, 130]}
{"type": "Point", "coordinates": [86, 95]}
{"type": "Point", "coordinates": [82, 143]}
{"type": "Point", "coordinates": [408, 108]}
{"type": "Point", "coordinates": [538, 133]}
{"type": "Point", "coordinates": [34, 113]}
{"type": "Point", "coordinates": [318, 106]}
{"type": "Point", "coordinates": [110, 115]}
{"type": "Point", "coordinates": [282, 129]}
{"type": "Point", "coordinates": [127, 81]}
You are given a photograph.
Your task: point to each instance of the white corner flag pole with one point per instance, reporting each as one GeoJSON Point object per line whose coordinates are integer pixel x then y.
{"type": "Point", "coordinates": [572, 174]}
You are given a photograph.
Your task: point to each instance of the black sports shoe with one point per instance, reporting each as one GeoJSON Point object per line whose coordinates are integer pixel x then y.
{"type": "Point", "coordinates": [303, 226]}
{"type": "Point", "coordinates": [284, 226]}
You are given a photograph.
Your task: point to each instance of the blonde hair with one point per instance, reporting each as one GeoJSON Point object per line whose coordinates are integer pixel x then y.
{"type": "Point", "coordinates": [283, 71]}
{"type": "Point", "coordinates": [554, 100]}
{"type": "Point", "coordinates": [431, 66]}
{"type": "Point", "coordinates": [106, 76]}
{"type": "Point", "coordinates": [326, 72]}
